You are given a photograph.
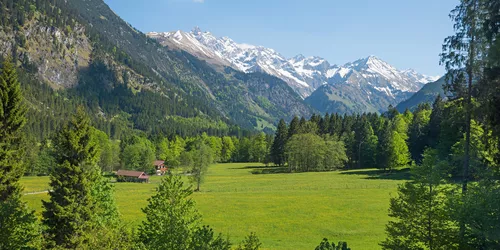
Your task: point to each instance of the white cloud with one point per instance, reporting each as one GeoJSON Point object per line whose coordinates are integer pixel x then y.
{"type": "Point", "coordinates": [199, 1]}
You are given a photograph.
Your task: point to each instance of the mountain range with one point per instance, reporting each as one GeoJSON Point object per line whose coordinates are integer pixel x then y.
{"type": "Point", "coordinates": [79, 52]}
{"type": "Point", "coordinates": [365, 85]}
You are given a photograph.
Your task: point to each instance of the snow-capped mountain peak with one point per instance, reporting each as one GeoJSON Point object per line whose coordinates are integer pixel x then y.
{"type": "Point", "coordinates": [304, 74]}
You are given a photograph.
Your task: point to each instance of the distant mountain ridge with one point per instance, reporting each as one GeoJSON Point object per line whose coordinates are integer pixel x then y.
{"type": "Point", "coordinates": [365, 85]}
{"type": "Point", "coordinates": [304, 74]}
{"type": "Point", "coordinates": [425, 95]}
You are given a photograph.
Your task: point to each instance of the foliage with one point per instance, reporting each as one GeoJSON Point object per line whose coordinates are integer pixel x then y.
{"type": "Point", "coordinates": [202, 158]}
{"type": "Point", "coordinates": [18, 226]}
{"type": "Point", "coordinates": [81, 200]}
{"type": "Point", "coordinates": [204, 239]}
{"type": "Point", "coordinates": [251, 242]}
{"type": "Point", "coordinates": [138, 153]}
{"type": "Point", "coordinates": [308, 152]}
{"type": "Point", "coordinates": [170, 216]}
{"type": "Point", "coordinates": [420, 212]}
{"type": "Point", "coordinates": [12, 120]}
{"type": "Point", "coordinates": [326, 245]}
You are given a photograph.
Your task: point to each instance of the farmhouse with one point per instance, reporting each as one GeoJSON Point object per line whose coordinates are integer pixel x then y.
{"type": "Point", "coordinates": [131, 176]}
{"type": "Point", "coordinates": [160, 167]}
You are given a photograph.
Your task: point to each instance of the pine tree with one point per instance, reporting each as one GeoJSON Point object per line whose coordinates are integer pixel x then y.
{"type": "Point", "coordinates": [435, 122]}
{"type": "Point", "coordinates": [18, 225]}
{"type": "Point", "coordinates": [81, 200]}
{"type": "Point", "coordinates": [463, 58]}
{"type": "Point", "coordinates": [383, 146]}
{"type": "Point", "coordinates": [171, 216]}
{"type": "Point", "coordinates": [420, 212]}
{"type": "Point", "coordinates": [279, 145]}
{"type": "Point", "coordinates": [204, 238]}
{"type": "Point", "coordinates": [364, 132]}
{"type": "Point", "coordinates": [418, 131]}
{"type": "Point", "coordinates": [12, 120]}
{"type": "Point", "coordinates": [294, 127]}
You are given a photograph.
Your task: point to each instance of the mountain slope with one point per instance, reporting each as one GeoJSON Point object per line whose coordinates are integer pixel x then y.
{"type": "Point", "coordinates": [83, 49]}
{"type": "Point", "coordinates": [426, 95]}
{"type": "Point", "coordinates": [303, 74]}
{"type": "Point", "coordinates": [366, 85]}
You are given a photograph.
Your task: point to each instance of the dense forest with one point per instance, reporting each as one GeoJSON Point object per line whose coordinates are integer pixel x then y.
{"type": "Point", "coordinates": [124, 77]}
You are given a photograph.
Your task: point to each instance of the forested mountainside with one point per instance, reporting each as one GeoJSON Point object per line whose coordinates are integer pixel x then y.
{"type": "Point", "coordinates": [426, 95]}
{"type": "Point", "coordinates": [80, 52]}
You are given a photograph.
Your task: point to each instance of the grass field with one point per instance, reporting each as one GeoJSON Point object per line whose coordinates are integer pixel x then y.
{"type": "Point", "coordinates": [287, 211]}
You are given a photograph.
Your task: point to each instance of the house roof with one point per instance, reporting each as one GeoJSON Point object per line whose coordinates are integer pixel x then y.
{"type": "Point", "coordinates": [131, 173]}
{"type": "Point", "coordinates": [158, 163]}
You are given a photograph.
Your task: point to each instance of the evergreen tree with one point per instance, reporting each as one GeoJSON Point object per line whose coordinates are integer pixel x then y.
{"type": "Point", "coordinates": [204, 239]}
{"type": "Point", "coordinates": [251, 242]}
{"type": "Point", "coordinates": [81, 201]}
{"type": "Point", "coordinates": [324, 124]}
{"type": "Point", "coordinates": [392, 112]}
{"type": "Point", "coordinates": [462, 56]}
{"type": "Point", "coordinates": [279, 145]}
{"type": "Point", "coordinates": [326, 245]}
{"type": "Point", "coordinates": [435, 122]}
{"type": "Point", "coordinates": [12, 120]}
{"type": "Point", "coordinates": [171, 216]}
{"type": "Point", "coordinates": [335, 125]}
{"type": "Point", "coordinates": [489, 93]}
{"type": "Point", "coordinates": [363, 132]}
{"type": "Point", "coordinates": [384, 146]}
{"type": "Point", "coordinates": [294, 127]}
{"type": "Point", "coordinates": [18, 225]}
{"type": "Point", "coordinates": [418, 131]}
{"type": "Point", "coordinates": [420, 212]}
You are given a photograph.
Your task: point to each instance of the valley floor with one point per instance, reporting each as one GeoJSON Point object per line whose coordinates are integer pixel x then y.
{"type": "Point", "coordinates": [287, 211]}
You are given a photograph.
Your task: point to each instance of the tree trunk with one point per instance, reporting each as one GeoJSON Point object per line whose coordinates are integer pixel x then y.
{"type": "Point", "coordinates": [468, 116]}
{"type": "Point", "coordinates": [429, 225]}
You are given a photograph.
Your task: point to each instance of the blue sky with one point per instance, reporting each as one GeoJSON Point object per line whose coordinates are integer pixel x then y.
{"type": "Point", "coordinates": [405, 33]}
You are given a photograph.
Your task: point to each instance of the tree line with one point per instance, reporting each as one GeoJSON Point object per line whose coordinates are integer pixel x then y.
{"type": "Point", "coordinates": [453, 199]}
{"type": "Point", "coordinates": [81, 212]}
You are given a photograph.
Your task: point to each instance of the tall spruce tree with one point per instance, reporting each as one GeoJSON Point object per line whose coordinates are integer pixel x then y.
{"type": "Point", "coordinates": [18, 225]}
{"type": "Point", "coordinates": [463, 58]}
{"type": "Point", "coordinates": [418, 131]}
{"type": "Point", "coordinates": [294, 127]}
{"type": "Point", "coordinates": [12, 120]}
{"type": "Point", "coordinates": [434, 126]}
{"type": "Point", "coordinates": [80, 201]}
{"type": "Point", "coordinates": [279, 144]}
{"type": "Point", "coordinates": [420, 213]}
{"type": "Point", "coordinates": [384, 146]}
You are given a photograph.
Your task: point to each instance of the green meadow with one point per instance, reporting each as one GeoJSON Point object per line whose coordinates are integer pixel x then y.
{"type": "Point", "coordinates": [287, 211]}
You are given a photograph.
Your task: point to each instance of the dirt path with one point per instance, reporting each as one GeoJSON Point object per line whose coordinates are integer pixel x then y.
{"type": "Point", "coordinates": [42, 192]}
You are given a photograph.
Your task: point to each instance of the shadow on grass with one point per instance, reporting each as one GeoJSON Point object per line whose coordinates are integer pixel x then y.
{"type": "Point", "coordinates": [271, 170]}
{"type": "Point", "coordinates": [265, 170]}
{"type": "Point", "coordinates": [401, 174]}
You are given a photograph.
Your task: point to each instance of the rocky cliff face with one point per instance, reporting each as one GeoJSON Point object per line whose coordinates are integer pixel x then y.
{"type": "Point", "coordinates": [58, 54]}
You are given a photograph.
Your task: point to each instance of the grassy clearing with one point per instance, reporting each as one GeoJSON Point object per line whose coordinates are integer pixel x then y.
{"type": "Point", "coordinates": [287, 211]}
